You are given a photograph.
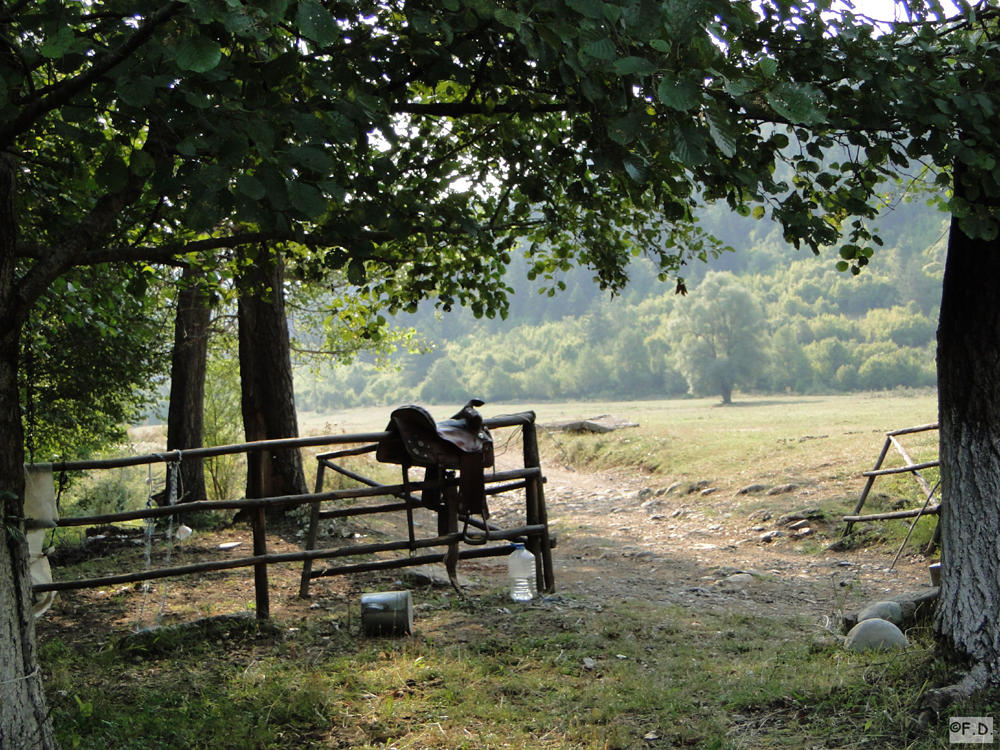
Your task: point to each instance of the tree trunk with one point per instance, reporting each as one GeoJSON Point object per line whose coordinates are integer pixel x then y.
{"type": "Point", "coordinates": [24, 721]}
{"type": "Point", "coordinates": [266, 377]}
{"type": "Point", "coordinates": [968, 364]}
{"type": "Point", "coordinates": [186, 415]}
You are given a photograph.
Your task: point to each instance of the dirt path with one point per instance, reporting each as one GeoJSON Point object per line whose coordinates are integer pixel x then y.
{"type": "Point", "coordinates": [623, 536]}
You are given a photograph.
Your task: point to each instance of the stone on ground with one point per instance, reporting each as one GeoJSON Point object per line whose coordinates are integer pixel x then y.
{"type": "Point", "coordinates": [888, 611]}
{"type": "Point", "coordinates": [875, 635]}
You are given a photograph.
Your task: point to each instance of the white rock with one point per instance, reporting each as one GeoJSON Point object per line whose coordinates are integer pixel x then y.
{"type": "Point", "coordinates": [875, 635]}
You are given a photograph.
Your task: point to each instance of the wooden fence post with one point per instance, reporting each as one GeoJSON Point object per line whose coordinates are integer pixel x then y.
{"type": "Point", "coordinates": [536, 512]}
{"type": "Point", "coordinates": [260, 569]}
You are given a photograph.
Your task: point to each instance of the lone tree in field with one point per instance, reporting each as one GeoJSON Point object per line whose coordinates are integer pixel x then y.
{"type": "Point", "coordinates": [426, 138]}
{"type": "Point", "coordinates": [723, 335]}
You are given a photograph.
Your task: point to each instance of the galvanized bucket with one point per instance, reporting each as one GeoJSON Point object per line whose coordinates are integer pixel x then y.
{"type": "Point", "coordinates": [387, 613]}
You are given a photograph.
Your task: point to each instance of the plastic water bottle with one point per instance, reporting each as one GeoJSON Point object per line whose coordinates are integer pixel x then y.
{"type": "Point", "coordinates": [521, 574]}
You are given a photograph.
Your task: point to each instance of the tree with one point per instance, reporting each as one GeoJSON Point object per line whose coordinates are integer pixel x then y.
{"type": "Point", "coordinates": [268, 395]}
{"type": "Point", "coordinates": [790, 367]}
{"type": "Point", "coordinates": [189, 360]}
{"type": "Point", "coordinates": [969, 414]}
{"type": "Point", "coordinates": [723, 337]}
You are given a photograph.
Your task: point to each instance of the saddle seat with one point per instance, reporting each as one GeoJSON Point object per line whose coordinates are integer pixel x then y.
{"type": "Point", "coordinates": [461, 443]}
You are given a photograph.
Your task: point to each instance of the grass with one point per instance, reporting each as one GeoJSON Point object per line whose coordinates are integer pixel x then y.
{"type": "Point", "coordinates": [480, 674]}
{"type": "Point", "coordinates": [572, 673]}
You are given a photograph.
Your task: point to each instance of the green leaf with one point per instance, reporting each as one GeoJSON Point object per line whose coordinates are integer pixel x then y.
{"type": "Point", "coordinates": [758, 212]}
{"type": "Point", "coordinates": [58, 45]}
{"type": "Point", "coordinates": [316, 24]}
{"type": "Point", "coordinates": [307, 199]}
{"type": "Point", "coordinates": [633, 65]}
{"type": "Point", "coordinates": [250, 186]}
{"type": "Point", "coordinates": [589, 8]}
{"type": "Point", "coordinates": [843, 265]}
{"type": "Point", "coordinates": [141, 163]}
{"type": "Point", "coordinates": [799, 104]}
{"type": "Point", "coordinates": [721, 132]}
{"type": "Point", "coordinates": [624, 129]}
{"type": "Point", "coordinates": [112, 173]}
{"type": "Point", "coordinates": [198, 54]}
{"type": "Point", "coordinates": [739, 87]}
{"type": "Point", "coordinates": [602, 49]}
{"type": "Point", "coordinates": [508, 18]}
{"type": "Point", "coordinates": [356, 272]}
{"type": "Point", "coordinates": [768, 66]}
{"type": "Point", "coordinates": [312, 158]}
{"type": "Point", "coordinates": [637, 169]}
{"type": "Point", "coordinates": [136, 92]}
{"type": "Point", "coordinates": [678, 94]}
{"type": "Point", "coordinates": [690, 146]}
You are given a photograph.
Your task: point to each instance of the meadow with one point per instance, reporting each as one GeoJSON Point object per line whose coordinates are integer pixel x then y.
{"type": "Point", "coordinates": [576, 670]}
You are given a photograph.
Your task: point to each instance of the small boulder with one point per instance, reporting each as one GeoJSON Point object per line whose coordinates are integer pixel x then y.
{"type": "Point", "coordinates": [888, 611]}
{"type": "Point", "coordinates": [875, 635]}
{"type": "Point", "coordinates": [435, 575]}
{"type": "Point", "coordinates": [781, 489]}
{"type": "Point", "coordinates": [750, 489]}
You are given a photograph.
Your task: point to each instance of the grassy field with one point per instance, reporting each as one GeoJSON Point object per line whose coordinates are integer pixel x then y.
{"type": "Point", "coordinates": [573, 673]}
{"type": "Point", "coordinates": [698, 438]}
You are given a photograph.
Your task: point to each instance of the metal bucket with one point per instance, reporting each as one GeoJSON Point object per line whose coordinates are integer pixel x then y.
{"type": "Point", "coordinates": [387, 613]}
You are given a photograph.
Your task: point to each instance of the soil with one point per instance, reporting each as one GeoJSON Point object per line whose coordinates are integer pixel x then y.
{"type": "Point", "coordinates": [620, 536]}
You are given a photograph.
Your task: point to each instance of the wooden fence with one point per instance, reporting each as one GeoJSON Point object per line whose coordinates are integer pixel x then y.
{"type": "Point", "coordinates": [892, 440]}
{"type": "Point", "coordinates": [534, 533]}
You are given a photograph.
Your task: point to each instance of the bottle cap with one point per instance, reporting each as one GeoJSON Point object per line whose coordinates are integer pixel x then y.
{"type": "Point", "coordinates": [517, 545]}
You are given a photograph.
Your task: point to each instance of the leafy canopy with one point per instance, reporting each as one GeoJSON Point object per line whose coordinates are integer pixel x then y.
{"type": "Point", "coordinates": [424, 138]}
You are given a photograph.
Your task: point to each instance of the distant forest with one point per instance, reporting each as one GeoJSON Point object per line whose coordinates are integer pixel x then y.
{"type": "Point", "coordinates": [824, 330]}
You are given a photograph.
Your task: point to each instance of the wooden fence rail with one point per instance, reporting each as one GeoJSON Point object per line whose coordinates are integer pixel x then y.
{"type": "Point", "coordinates": [891, 440]}
{"type": "Point", "coordinates": [535, 532]}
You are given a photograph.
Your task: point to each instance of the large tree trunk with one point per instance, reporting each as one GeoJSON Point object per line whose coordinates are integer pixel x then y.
{"type": "Point", "coordinates": [969, 413]}
{"type": "Point", "coordinates": [24, 719]}
{"type": "Point", "coordinates": [186, 415]}
{"type": "Point", "coordinates": [266, 377]}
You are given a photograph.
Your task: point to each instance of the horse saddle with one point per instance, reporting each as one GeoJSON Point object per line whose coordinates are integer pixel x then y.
{"type": "Point", "coordinates": [461, 443]}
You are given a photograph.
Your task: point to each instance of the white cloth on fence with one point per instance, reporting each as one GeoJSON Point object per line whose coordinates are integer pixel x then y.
{"type": "Point", "coordinates": [40, 506]}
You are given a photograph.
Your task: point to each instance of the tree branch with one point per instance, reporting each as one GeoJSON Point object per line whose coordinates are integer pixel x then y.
{"type": "Point", "coordinates": [463, 109]}
{"type": "Point", "coordinates": [58, 94]}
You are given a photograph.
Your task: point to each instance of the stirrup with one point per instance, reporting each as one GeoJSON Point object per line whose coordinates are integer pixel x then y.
{"type": "Point", "coordinates": [475, 540]}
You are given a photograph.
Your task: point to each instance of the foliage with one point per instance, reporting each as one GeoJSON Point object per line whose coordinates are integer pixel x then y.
{"type": "Point", "coordinates": [226, 474]}
{"type": "Point", "coordinates": [93, 356]}
{"type": "Point", "coordinates": [722, 337]}
{"type": "Point", "coordinates": [822, 330]}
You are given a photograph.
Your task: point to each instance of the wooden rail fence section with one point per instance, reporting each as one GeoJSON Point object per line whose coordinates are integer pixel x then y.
{"type": "Point", "coordinates": [535, 533]}
{"type": "Point", "coordinates": [892, 441]}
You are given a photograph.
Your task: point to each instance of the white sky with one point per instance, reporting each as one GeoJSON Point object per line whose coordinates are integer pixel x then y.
{"type": "Point", "coordinates": [886, 10]}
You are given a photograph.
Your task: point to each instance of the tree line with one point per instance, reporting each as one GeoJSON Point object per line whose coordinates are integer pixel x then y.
{"type": "Point", "coordinates": [796, 327]}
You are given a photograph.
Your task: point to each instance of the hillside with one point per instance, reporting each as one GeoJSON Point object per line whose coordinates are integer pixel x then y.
{"type": "Point", "coordinates": [825, 331]}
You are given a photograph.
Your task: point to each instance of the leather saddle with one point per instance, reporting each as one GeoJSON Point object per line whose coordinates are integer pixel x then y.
{"type": "Point", "coordinates": [460, 444]}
